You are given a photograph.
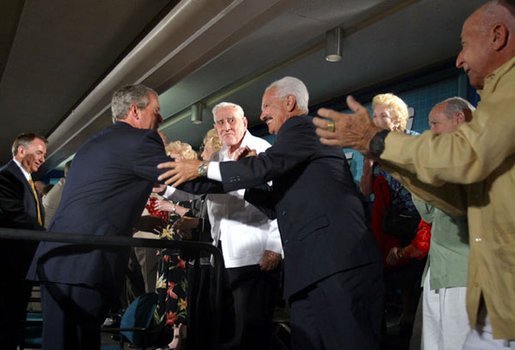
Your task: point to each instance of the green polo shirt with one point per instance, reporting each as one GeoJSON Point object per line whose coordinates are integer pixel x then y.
{"type": "Point", "coordinates": [449, 248]}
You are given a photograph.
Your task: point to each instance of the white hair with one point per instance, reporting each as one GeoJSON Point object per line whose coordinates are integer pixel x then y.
{"type": "Point", "coordinates": [455, 105]}
{"type": "Point", "coordinates": [292, 86]}
{"type": "Point", "coordinates": [237, 108]}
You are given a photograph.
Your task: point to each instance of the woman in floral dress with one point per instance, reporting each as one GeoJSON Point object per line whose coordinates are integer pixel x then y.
{"type": "Point", "coordinates": [172, 285]}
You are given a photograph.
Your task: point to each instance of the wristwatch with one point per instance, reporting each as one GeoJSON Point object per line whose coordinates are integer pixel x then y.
{"type": "Point", "coordinates": [202, 169]}
{"type": "Point", "coordinates": [376, 146]}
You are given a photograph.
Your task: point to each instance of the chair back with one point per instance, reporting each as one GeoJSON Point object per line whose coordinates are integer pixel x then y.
{"type": "Point", "coordinates": [139, 315]}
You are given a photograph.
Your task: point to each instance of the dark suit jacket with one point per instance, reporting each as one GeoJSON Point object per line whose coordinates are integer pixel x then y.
{"type": "Point", "coordinates": [17, 210]}
{"type": "Point", "coordinates": [320, 216]}
{"type": "Point", "coordinates": [106, 190]}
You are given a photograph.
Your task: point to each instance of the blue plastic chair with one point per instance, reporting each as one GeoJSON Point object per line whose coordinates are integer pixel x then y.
{"type": "Point", "coordinates": [137, 324]}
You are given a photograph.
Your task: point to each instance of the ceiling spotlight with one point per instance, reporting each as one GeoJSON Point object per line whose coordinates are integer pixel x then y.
{"type": "Point", "coordinates": [333, 44]}
{"type": "Point", "coordinates": [196, 113]}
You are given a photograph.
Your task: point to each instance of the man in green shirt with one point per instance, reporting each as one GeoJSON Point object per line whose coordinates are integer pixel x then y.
{"type": "Point", "coordinates": [444, 319]}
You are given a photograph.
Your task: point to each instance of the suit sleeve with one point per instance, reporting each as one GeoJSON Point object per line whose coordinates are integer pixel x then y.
{"type": "Point", "coordinates": [295, 144]}
{"type": "Point", "coordinates": [151, 153]}
{"type": "Point", "coordinates": [12, 208]}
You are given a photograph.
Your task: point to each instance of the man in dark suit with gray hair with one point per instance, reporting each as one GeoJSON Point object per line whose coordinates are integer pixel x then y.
{"type": "Point", "coordinates": [105, 193]}
{"type": "Point", "coordinates": [20, 207]}
{"type": "Point", "coordinates": [332, 265]}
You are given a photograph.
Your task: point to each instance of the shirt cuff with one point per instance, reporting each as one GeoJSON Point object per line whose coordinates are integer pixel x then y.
{"type": "Point", "coordinates": [376, 146]}
{"type": "Point", "coordinates": [169, 192]}
{"type": "Point", "coordinates": [213, 171]}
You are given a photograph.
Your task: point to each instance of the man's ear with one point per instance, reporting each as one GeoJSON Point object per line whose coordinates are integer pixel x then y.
{"type": "Point", "coordinates": [21, 151]}
{"type": "Point", "coordinates": [245, 122]}
{"type": "Point", "coordinates": [133, 113]}
{"type": "Point", "coordinates": [460, 118]}
{"type": "Point", "coordinates": [291, 103]}
{"type": "Point", "coordinates": [499, 36]}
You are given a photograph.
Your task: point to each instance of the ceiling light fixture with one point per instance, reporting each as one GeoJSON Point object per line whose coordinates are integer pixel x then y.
{"type": "Point", "coordinates": [333, 44]}
{"type": "Point", "coordinates": [196, 113]}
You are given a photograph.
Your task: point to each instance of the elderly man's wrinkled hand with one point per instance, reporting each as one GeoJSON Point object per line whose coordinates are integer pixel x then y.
{"type": "Point", "coordinates": [243, 152]}
{"type": "Point", "coordinates": [346, 130]}
{"type": "Point", "coordinates": [180, 171]}
{"type": "Point", "coordinates": [270, 260]}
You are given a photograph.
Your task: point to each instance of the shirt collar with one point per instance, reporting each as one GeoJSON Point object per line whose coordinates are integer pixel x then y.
{"type": "Point", "coordinates": [25, 172]}
{"type": "Point", "coordinates": [492, 79]}
{"type": "Point", "coordinates": [224, 151]}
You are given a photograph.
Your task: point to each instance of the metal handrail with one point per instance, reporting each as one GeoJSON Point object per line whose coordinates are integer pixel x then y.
{"type": "Point", "coordinates": [116, 241]}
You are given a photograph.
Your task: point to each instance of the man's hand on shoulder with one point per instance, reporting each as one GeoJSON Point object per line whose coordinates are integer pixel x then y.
{"type": "Point", "coordinates": [180, 171]}
{"type": "Point", "coordinates": [243, 152]}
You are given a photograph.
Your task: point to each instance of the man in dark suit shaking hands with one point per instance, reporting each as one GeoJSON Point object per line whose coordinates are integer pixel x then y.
{"type": "Point", "coordinates": [333, 274]}
{"type": "Point", "coordinates": [106, 190]}
{"type": "Point", "coordinates": [20, 207]}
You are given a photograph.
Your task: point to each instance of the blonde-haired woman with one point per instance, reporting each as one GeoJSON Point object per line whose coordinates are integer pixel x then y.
{"type": "Point", "coordinates": [180, 151]}
{"type": "Point", "coordinates": [391, 113]}
{"type": "Point", "coordinates": [193, 221]}
{"type": "Point", "coordinates": [210, 145]}
{"type": "Point", "coordinates": [172, 283]}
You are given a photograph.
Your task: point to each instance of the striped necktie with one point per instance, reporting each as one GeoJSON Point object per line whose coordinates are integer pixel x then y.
{"type": "Point", "coordinates": [40, 221]}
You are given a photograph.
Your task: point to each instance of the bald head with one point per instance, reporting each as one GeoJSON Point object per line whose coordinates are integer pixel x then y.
{"type": "Point", "coordinates": [498, 10]}
{"type": "Point", "coordinates": [487, 40]}
{"type": "Point", "coordinates": [448, 115]}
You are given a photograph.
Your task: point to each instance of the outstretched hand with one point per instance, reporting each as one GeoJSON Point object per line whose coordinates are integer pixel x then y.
{"type": "Point", "coordinates": [180, 171]}
{"type": "Point", "coordinates": [349, 130]}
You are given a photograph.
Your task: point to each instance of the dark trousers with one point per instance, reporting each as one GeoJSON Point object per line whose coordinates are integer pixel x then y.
{"type": "Point", "coordinates": [14, 298]}
{"type": "Point", "coordinates": [201, 326]}
{"type": "Point", "coordinates": [72, 316]}
{"type": "Point", "coordinates": [15, 259]}
{"type": "Point", "coordinates": [342, 311]}
{"type": "Point", "coordinates": [250, 296]}
{"type": "Point", "coordinates": [405, 278]}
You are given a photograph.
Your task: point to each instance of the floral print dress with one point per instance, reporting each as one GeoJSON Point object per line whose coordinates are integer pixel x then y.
{"type": "Point", "coordinates": [171, 285]}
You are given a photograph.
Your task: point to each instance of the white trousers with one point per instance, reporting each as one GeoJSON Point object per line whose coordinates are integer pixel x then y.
{"type": "Point", "coordinates": [483, 339]}
{"type": "Point", "coordinates": [445, 323]}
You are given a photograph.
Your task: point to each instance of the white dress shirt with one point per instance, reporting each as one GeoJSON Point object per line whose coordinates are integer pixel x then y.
{"type": "Point", "coordinates": [244, 230]}
{"type": "Point", "coordinates": [24, 172]}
